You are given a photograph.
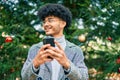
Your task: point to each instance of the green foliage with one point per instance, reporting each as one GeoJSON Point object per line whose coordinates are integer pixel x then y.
{"type": "Point", "coordinates": [96, 19]}
{"type": "Point", "coordinates": [12, 56]}
{"type": "Point", "coordinates": [102, 55]}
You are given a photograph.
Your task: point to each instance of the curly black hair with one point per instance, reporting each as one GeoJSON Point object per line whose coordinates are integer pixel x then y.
{"type": "Point", "coordinates": [57, 10]}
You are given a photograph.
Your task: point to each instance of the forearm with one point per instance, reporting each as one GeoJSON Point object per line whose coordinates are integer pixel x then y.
{"type": "Point", "coordinates": [27, 72]}
{"type": "Point", "coordinates": [78, 73]}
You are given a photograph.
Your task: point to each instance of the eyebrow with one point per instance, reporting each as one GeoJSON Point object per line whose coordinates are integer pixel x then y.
{"type": "Point", "coordinates": [50, 18]}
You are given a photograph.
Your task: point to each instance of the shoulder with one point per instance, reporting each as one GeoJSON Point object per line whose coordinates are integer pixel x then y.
{"type": "Point", "coordinates": [34, 49]}
{"type": "Point", "coordinates": [73, 48]}
{"type": "Point", "coordinates": [72, 45]}
{"type": "Point", "coordinates": [37, 45]}
{"type": "Point", "coordinates": [75, 51]}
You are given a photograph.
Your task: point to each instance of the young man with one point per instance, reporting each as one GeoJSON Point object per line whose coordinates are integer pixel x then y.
{"type": "Point", "coordinates": [65, 61]}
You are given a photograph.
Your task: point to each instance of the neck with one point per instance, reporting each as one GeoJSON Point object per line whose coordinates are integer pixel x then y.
{"type": "Point", "coordinates": [57, 36]}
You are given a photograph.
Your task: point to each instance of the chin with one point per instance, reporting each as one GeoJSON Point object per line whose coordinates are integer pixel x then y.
{"type": "Point", "coordinates": [48, 34]}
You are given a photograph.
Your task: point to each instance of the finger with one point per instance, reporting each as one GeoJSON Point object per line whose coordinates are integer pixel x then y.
{"type": "Point", "coordinates": [48, 59]}
{"type": "Point", "coordinates": [53, 53]}
{"type": "Point", "coordinates": [44, 47]}
{"type": "Point", "coordinates": [58, 45]}
{"type": "Point", "coordinates": [46, 55]}
{"type": "Point", "coordinates": [57, 50]}
{"type": "Point", "coordinates": [41, 54]}
{"type": "Point", "coordinates": [52, 48]}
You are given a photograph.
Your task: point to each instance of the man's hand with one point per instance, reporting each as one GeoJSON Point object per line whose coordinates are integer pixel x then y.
{"type": "Point", "coordinates": [42, 56]}
{"type": "Point", "coordinates": [59, 55]}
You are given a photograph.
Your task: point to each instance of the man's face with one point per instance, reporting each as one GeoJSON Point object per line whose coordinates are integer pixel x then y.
{"type": "Point", "coordinates": [53, 26]}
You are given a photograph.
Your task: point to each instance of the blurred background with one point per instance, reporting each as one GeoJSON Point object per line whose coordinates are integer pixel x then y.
{"type": "Point", "coordinates": [95, 29]}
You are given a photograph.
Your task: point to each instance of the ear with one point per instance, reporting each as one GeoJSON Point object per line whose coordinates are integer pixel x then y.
{"type": "Point", "coordinates": [63, 24]}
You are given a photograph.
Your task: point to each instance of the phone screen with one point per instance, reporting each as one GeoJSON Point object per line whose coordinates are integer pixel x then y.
{"type": "Point", "coordinates": [49, 40]}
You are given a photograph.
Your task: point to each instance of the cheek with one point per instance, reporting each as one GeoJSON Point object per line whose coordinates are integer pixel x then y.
{"type": "Point", "coordinates": [57, 29]}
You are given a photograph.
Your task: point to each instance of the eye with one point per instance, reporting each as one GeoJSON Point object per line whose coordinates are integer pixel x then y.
{"type": "Point", "coordinates": [50, 20]}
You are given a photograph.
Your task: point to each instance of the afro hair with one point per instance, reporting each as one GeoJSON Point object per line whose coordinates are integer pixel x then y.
{"type": "Point", "coordinates": [56, 10]}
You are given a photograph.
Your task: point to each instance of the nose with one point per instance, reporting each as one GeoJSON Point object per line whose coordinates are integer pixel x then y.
{"type": "Point", "coordinates": [45, 23]}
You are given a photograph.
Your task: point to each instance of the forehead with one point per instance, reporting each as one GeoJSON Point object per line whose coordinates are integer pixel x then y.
{"type": "Point", "coordinates": [51, 17]}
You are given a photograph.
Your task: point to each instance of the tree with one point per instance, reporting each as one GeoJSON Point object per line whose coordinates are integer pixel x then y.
{"type": "Point", "coordinates": [98, 21]}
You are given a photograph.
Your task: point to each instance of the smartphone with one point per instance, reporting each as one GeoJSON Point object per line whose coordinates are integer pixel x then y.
{"type": "Point", "coordinates": [49, 40]}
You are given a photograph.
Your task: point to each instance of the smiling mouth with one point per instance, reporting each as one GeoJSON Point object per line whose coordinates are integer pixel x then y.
{"type": "Point", "coordinates": [48, 28]}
